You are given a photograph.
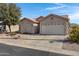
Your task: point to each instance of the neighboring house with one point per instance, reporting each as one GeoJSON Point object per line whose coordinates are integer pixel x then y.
{"type": "Point", "coordinates": [2, 27]}
{"type": "Point", "coordinates": [53, 24]}
{"type": "Point", "coordinates": [14, 28]}
{"type": "Point", "coordinates": [28, 26]}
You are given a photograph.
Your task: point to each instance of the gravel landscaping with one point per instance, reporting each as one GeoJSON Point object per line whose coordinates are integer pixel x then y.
{"type": "Point", "coordinates": [68, 45]}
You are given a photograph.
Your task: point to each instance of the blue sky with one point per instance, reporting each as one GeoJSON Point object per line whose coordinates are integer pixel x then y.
{"type": "Point", "coordinates": [34, 10]}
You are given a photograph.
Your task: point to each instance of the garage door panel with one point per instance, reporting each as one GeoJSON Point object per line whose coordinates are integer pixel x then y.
{"type": "Point", "coordinates": [54, 29]}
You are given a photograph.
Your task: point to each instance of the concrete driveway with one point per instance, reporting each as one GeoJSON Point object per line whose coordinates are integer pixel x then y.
{"type": "Point", "coordinates": [39, 40]}
{"type": "Point", "coordinates": [8, 50]}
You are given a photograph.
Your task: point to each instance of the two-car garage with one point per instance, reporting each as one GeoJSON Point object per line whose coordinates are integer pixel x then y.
{"type": "Point", "coordinates": [52, 29]}
{"type": "Point", "coordinates": [54, 24]}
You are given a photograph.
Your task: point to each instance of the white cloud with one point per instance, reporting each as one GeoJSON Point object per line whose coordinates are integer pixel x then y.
{"type": "Point", "coordinates": [53, 8]}
{"type": "Point", "coordinates": [59, 5]}
{"type": "Point", "coordinates": [74, 16]}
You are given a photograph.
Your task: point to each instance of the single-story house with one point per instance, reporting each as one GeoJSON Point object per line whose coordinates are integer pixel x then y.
{"type": "Point", "coordinates": [53, 24]}
{"type": "Point", "coordinates": [28, 26]}
{"type": "Point", "coordinates": [50, 24]}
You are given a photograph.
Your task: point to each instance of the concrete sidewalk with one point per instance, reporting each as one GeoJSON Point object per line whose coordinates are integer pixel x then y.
{"type": "Point", "coordinates": [28, 44]}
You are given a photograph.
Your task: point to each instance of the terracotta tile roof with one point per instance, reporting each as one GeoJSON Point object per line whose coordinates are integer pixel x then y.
{"type": "Point", "coordinates": [64, 17]}
{"type": "Point", "coordinates": [27, 19]}
{"type": "Point", "coordinates": [41, 18]}
{"type": "Point", "coordinates": [38, 19]}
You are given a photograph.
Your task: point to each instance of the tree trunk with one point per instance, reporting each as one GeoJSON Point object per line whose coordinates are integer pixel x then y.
{"type": "Point", "coordinates": [9, 28]}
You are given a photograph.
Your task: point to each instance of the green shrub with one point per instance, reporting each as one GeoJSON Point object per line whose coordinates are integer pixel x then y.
{"type": "Point", "coordinates": [74, 34]}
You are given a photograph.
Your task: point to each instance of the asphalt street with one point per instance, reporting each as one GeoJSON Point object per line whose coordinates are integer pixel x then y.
{"type": "Point", "coordinates": [8, 50]}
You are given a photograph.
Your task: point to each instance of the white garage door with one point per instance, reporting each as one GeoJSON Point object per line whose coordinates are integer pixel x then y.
{"type": "Point", "coordinates": [52, 29]}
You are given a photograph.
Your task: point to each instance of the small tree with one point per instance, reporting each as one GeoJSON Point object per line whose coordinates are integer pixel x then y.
{"type": "Point", "coordinates": [10, 14]}
{"type": "Point", "coordinates": [74, 34]}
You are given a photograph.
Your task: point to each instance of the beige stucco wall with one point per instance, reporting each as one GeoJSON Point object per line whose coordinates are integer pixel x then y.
{"type": "Point", "coordinates": [26, 27]}
{"type": "Point", "coordinates": [13, 28]}
{"type": "Point", "coordinates": [53, 25]}
{"type": "Point", "coordinates": [54, 21]}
